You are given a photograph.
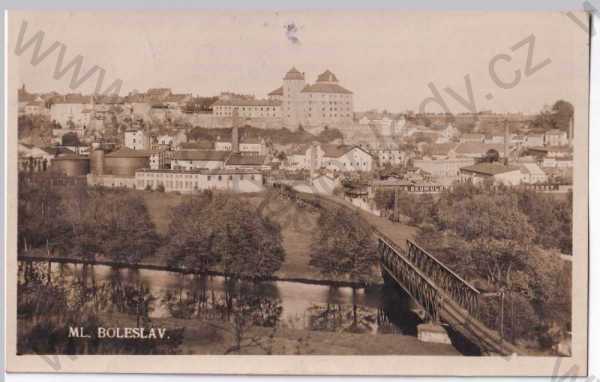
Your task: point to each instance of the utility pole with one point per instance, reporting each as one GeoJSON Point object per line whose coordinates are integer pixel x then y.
{"type": "Point", "coordinates": [502, 313]}
{"type": "Point", "coordinates": [396, 215]}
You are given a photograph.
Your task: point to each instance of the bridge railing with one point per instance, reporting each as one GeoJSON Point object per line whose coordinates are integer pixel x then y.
{"type": "Point", "coordinates": [412, 280]}
{"type": "Point", "coordinates": [459, 289]}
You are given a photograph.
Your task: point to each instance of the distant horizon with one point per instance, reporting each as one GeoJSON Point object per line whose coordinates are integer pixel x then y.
{"type": "Point", "coordinates": [387, 59]}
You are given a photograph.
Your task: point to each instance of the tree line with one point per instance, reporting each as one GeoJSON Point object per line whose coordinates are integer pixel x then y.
{"type": "Point", "coordinates": [509, 243]}
{"type": "Point", "coordinates": [206, 230]}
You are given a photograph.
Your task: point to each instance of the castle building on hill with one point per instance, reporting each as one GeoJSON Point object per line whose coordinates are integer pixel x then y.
{"type": "Point", "coordinates": [324, 103]}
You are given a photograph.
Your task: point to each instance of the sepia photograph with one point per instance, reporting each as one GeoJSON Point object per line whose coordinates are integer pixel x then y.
{"type": "Point", "coordinates": [337, 184]}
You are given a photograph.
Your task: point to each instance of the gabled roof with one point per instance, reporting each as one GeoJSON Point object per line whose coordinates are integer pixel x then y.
{"type": "Point", "coordinates": [327, 76]}
{"type": "Point", "coordinates": [491, 169]}
{"type": "Point", "coordinates": [238, 159]}
{"type": "Point", "coordinates": [248, 140]}
{"type": "Point", "coordinates": [202, 155]}
{"type": "Point", "coordinates": [323, 87]}
{"type": "Point", "coordinates": [336, 151]}
{"type": "Point", "coordinates": [198, 145]}
{"type": "Point", "coordinates": [246, 102]}
{"type": "Point", "coordinates": [293, 74]}
{"type": "Point", "coordinates": [531, 168]}
{"type": "Point", "coordinates": [277, 92]}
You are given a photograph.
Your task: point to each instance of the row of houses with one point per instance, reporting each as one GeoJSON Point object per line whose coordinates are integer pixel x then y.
{"type": "Point", "coordinates": [552, 137]}
{"type": "Point", "coordinates": [77, 112]}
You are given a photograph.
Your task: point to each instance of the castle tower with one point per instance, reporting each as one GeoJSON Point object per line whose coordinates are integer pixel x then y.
{"type": "Point", "coordinates": [293, 103]}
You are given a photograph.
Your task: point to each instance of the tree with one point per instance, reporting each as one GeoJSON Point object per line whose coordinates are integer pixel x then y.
{"type": "Point", "coordinates": [113, 223]}
{"type": "Point", "coordinates": [345, 249]}
{"type": "Point", "coordinates": [249, 245]}
{"type": "Point", "coordinates": [507, 240]}
{"type": "Point", "coordinates": [209, 230]}
{"type": "Point", "coordinates": [40, 213]}
{"type": "Point", "coordinates": [491, 156]}
{"type": "Point", "coordinates": [191, 234]}
{"type": "Point", "coordinates": [563, 112]}
{"type": "Point", "coordinates": [70, 139]}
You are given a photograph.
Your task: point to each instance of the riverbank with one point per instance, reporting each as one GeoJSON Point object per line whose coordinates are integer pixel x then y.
{"type": "Point", "coordinates": [156, 264]}
{"type": "Point", "coordinates": [217, 338]}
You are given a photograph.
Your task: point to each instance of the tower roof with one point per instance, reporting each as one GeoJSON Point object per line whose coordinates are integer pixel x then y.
{"type": "Point", "coordinates": [293, 74]}
{"type": "Point", "coordinates": [327, 76]}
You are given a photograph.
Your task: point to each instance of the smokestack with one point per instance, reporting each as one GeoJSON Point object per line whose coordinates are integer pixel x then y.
{"type": "Point", "coordinates": [506, 138]}
{"type": "Point", "coordinates": [235, 140]}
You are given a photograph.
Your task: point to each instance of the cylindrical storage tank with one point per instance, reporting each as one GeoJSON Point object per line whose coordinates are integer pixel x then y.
{"type": "Point", "coordinates": [125, 165]}
{"type": "Point", "coordinates": [97, 161]}
{"type": "Point", "coordinates": [71, 165]}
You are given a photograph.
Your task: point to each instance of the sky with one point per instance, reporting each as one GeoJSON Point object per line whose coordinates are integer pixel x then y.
{"type": "Point", "coordinates": [388, 59]}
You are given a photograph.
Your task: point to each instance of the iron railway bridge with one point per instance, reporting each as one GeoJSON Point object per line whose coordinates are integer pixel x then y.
{"type": "Point", "coordinates": [440, 293]}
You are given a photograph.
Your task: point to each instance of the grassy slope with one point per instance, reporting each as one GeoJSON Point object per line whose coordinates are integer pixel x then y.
{"type": "Point", "coordinates": [214, 338]}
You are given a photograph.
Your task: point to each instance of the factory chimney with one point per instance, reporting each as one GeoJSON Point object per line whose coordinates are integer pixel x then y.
{"type": "Point", "coordinates": [235, 139]}
{"type": "Point", "coordinates": [506, 138]}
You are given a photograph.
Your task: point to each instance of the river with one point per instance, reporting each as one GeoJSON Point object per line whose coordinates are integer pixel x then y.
{"type": "Point", "coordinates": [162, 294]}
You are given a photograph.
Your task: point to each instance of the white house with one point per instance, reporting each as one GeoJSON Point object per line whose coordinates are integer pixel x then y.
{"type": "Point", "coordinates": [509, 175]}
{"type": "Point", "coordinates": [555, 137]}
{"type": "Point", "coordinates": [443, 168]}
{"type": "Point", "coordinates": [392, 156]}
{"type": "Point", "coordinates": [534, 140]}
{"type": "Point", "coordinates": [137, 140]}
{"type": "Point", "coordinates": [331, 157]}
{"type": "Point", "coordinates": [532, 173]}
{"type": "Point", "coordinates": [346, 158]}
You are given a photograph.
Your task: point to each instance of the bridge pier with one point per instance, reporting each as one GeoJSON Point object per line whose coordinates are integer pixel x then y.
{"type": "Point", "coordinates": [432, 332]}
